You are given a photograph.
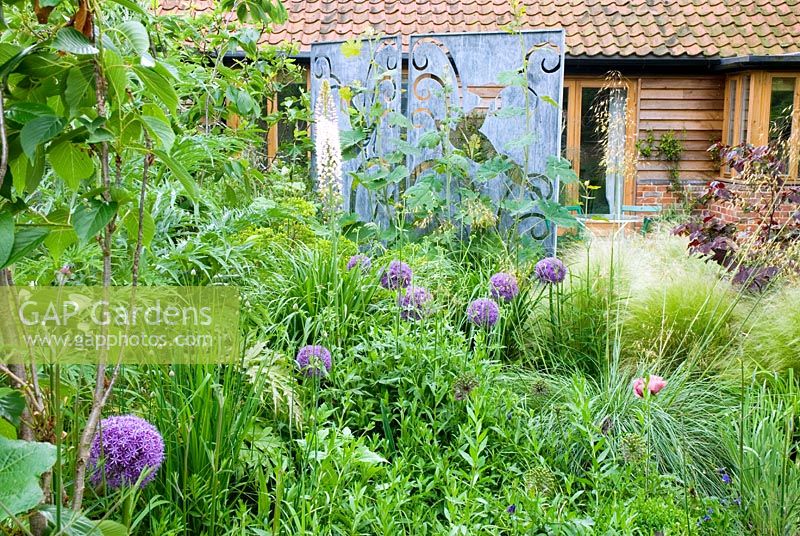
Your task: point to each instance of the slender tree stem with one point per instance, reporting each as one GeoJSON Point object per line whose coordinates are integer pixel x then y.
{"type": "Point", "coordinates": [3, 138]}
{"type": "Point", "coordinates": [101, 391]}
{"type": "Point", "coordinates": [137, 252]}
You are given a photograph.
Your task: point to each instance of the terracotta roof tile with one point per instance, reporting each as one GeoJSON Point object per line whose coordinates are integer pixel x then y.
{"type": "Point", "coordinates": [593, 27]}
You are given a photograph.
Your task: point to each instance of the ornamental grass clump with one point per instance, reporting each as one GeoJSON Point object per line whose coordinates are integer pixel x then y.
{"type": "Point", "coordinates": [314, 360]}
{"type": "Point", "coordinates": [126, 450]}
{"type": "Point", "coordinates": [504, 286]}
{"type": "Point", "coordinates": [483, 312]}
{"type": "Point", "coordinates": [414, 303]}
{"type": "Point", "coordinates": [396, 276]}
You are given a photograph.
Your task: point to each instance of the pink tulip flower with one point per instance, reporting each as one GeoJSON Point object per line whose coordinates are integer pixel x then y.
{"type": "Point", "coordinates": [654, 385]}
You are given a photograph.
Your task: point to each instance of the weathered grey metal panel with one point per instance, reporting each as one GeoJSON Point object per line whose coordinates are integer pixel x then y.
{"type": "Point", "coordinates": [375, 73]}
{"type": "Point", "coordinates": [446, 70]}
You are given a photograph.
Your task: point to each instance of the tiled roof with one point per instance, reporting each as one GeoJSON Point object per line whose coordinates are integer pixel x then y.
{"type": "Point", "coordinates": [593, 27]}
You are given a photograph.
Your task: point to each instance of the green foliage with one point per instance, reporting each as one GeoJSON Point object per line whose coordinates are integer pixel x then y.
{"type": "Point", "coordinates": [424, 427]}
{"type": "Point", "coordinates": [647, 145]}
{"type": "Point", "coordinates": [21, 465]}
{"type": "Point", "coordinates": [772, 340]}
{"type": "Point", "coordinates": [761, 441]}
{"type": "Point", "coordinates": [12, 403]}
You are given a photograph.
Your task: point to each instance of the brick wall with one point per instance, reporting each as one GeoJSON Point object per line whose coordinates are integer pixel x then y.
{"type": "Point", "coordinates": [726, 211]}
{"type": "Point", "coordinates": [662, 193]}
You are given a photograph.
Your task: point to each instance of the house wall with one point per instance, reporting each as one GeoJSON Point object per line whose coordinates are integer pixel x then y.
{"type": "Point", "coordinates": [692, 108]}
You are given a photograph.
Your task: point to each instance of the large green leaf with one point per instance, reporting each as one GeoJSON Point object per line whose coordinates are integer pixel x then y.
{"type": "Point", "coordinates": [430, 139]}
{"type": "Point", "coordinates": [12, 404]}
{"type": "Point", "coordinates": [75, 524]}
{"type": "Point", "coordinates": [131, 223]}
{"type": "Point", "coordinates": [7, 430]}
{"type": "Point", "coordinates": [161, 131]}
{"type": "Point", "coordinates": [133, 6]}
{"type": "Point", "coordinates": [71, 40]}
{"type": "Point", "coordinates": [512, 78]}
{"type": "Point", "coordinates": [189, 184]}
{"type": "Point", "coordinates": [37, 131]}
{"type": "Point", "coordinates": [136, 34]}
{"type": "Point", "coordinates": [26, 173]}
{"type": "Point", "coordinates": [116, 72]}
{"type": "Point", "coordinates": [493, 167]}
{"type": "Point", "coordinates": [21, 465]}
{"type": "Point", "coordinates": [22, 112]}
{"type": "Point", "coordinates": [60, 238]}
{"type": "Point", "coordinates": [71, 163]}
{"type": "Point", "coordinates": [556, 213]}
{"type": "Point", "coordinates": [158, 86]}
{"type": "Point", "coordinates": [6, 236]}
{"type": "Point", "coordinates": [423, 195]}
{"type": "Point", "coordinates": [79, 82]}
{"type": "Point", "coordinates": [26, 240]}
{"type": "Point", "coordinates": [559, 168]}
{"type": "Point", "coordinates": [15, 60]}
{"type": "Point", "coordinates": [89, 219]}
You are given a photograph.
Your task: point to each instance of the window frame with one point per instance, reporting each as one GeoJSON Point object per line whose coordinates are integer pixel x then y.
{"type": "Point", "coordinates": [574, 87]}
{"type": "Point", "coordinates": [757, 120]}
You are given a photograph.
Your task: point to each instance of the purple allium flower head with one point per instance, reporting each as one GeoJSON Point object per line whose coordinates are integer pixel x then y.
{"type": "Point", "coordinates": [314, 360]}
{"type": "Point", "coordinates": [504, 286]}
{"type": "Point", "coordinates": [483, 312]}
{"type": "Point", "coordinates": [361, 261]}
{"type": "Point", "coordinates": [396, 276]}
{"type": "Point", "coordinates": [550, 270]}
{"type": "Point", "coordinates": [414, 303]}
{"type": "Point", "coordinates": [125, 447]}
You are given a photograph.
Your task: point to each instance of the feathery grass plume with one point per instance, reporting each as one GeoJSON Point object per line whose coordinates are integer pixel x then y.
{"type": "Point", "coordinates": [773, 336]}
{"type": "Point", "coordinates": [659, 305]}
{"type": "Point", "coordinates": [328, 148]}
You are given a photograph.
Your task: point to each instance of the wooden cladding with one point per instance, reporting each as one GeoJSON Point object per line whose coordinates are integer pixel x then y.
{"type": "Point", "coordinates": [691, 108]}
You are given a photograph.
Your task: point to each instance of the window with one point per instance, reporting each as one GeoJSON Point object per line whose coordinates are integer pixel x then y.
{"type": "Point", "coordinates": [783, 122]}
{"type": "Point", "coordinates": [762, 108]}
{"type": "Point", "coordinates": [737, 109]}
{"type": "Point", "coordinates": [599, 127]}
